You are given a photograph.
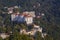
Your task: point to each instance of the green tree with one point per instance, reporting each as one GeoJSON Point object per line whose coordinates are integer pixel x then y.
{"type": "Point", "coordinates": [1, 20]}
{"type": "Point", "coordinates": [25, 37]}
{"type": "Point", "coordinates": [38, 36]}
{"type": "Point", "coordinates": [15, 36]}
{"type": "Point", "coordinates": [17, 28]}
{"type": "Point", "coordinates": [8, 29]}
{"type": "Point", "coordinates": [2, 29]}
{"type": "Point", "coordinates": [47, 37]}
{"type": "Point", "coordinates": [23, 26]}
{"type": "Point", "coordinates": [6, 38]}
{"type": "Point", "coordinates": [1, 38]}
{"type": "Point", "coordinates": [7, 19]}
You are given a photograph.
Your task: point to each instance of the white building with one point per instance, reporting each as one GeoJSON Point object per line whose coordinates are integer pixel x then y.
{"type": "Point", "coordinates": [22, 31]}
{"type": "Point", "coordinates": [44, 34]}
{"type": "Point", "coordinates": [16, 7]}
{"type": "Point", "coordinates": [29, 19]}
{"type": "Point", "coordinates": [32, 32]}
{"type": "Point", "coordinates": [32, 13]}
{"type": "Point", "coordinates": [3, 35]}
{"type": "Point", "coordinates": [14, 15]}
{"type": "Point", "coordinates": [42, 14]}
{"type": "Point", "coordinates": [10, 10]}
{"type": "Point", "coordinates": [37, 28]}
{"type": "Point", "coordinates": [27, 15]}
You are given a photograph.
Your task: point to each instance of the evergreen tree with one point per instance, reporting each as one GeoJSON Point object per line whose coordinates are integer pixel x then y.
{"type": "Point", "coordinates": [38, 36]}
{"type": "Point", "coordinates": [15, 36]}
{"type": "Point", "coordinates": [1, 38]}
{"type": "Point", "coordinates": [6, 38]}
{"type": "Point", "coordinates": [47, 37]}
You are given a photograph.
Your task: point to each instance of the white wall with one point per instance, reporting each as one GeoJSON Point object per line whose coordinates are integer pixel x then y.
{"type": "Point", "coordinates": [29, 20]}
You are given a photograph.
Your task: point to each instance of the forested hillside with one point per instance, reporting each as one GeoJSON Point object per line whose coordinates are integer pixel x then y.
{"type": "Point", "coordinates": [51, 8]}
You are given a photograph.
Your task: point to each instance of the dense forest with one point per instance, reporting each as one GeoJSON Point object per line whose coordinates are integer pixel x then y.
{"type": "Point", "coordinates": [50, 22]}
